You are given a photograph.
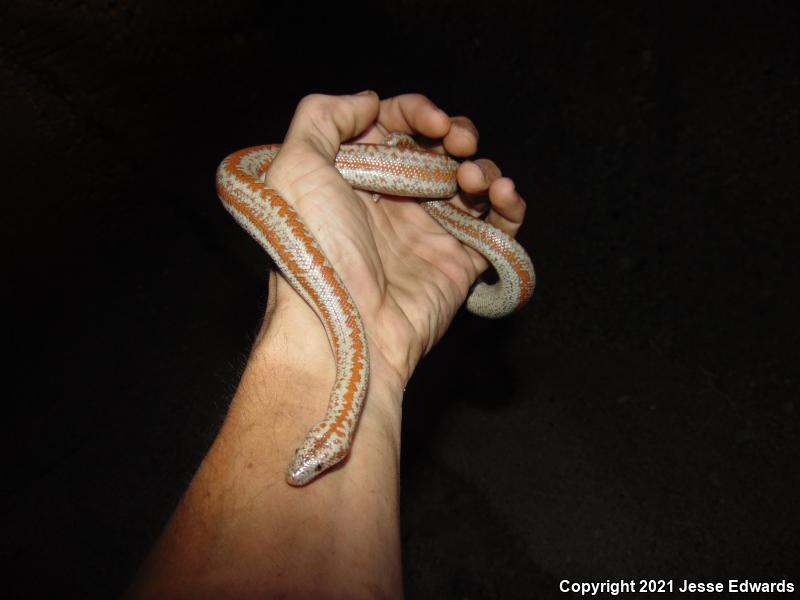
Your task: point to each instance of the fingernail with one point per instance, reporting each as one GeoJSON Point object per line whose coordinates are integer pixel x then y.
{"type": "Point", "coordinates": [364, 93]}
{"type": "Point", "coordinates": [483, 171]}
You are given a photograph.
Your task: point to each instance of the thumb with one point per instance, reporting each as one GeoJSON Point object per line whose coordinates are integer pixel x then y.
{"type": "Point", "coordinates": [324, 122]}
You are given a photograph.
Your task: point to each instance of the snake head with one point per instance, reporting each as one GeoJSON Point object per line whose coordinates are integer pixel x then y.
{"type": "Point", "coordinates": [322, 448]}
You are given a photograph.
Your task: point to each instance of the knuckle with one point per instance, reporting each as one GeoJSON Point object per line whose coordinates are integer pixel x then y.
{"type": "Point", "coordinates": [419, 98]}
{"type": "Point", "coordinates": [314, 103]}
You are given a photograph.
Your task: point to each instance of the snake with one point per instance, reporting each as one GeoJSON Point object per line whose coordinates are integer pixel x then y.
{"type": "Point", "coordinates": [398, 167]}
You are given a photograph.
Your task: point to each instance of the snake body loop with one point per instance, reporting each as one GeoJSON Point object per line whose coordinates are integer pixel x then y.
{"type": "Point", "coordinates": [397, 167]}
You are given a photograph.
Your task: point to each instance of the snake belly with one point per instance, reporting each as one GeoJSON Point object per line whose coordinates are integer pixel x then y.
{"type": "Point", "coordinates": [397, 167]}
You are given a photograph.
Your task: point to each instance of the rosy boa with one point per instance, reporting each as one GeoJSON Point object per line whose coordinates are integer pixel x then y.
{"type": "Point", "coordinates": [398, 167]}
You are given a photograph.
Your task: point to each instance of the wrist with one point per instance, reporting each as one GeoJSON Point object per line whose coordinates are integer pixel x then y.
{"type": "Point", "coordinates": [291, 338]}
{"type": "Point", "coordinates": [292, 345]}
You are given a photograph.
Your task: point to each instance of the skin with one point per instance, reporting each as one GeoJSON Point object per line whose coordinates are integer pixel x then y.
{"type": "Point", "coordinates": [240, 531]}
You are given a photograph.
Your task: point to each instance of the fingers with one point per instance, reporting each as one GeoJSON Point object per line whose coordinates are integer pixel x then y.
{"type": "Point", "coordinates": [475, 177]}
{"type": "Point", "coordinates": [416, 114]}
{"type": "Point", "coordinates": [412, 114]}
{"type": "Point", "coordinates": [462, 138]}
{"type": "Point", "coordinates": [324, 122]}
{"type": "Point", "coordinates": [508, 207]}
{"type": "Point", "coordinates": [483, 187]}
{"type": "Point", "coordinates": [481, 181]}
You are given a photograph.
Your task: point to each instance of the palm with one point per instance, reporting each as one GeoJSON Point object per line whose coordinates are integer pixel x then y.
{"type": "Point", "coordinates": [407, 276]}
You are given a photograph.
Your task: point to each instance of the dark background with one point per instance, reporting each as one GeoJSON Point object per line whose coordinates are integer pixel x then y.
{"type": "Point", "coordinates": [638, 419]}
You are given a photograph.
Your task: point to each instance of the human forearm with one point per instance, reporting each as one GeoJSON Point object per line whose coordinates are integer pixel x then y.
{"type": "Point", "coordinates": [241, 531]}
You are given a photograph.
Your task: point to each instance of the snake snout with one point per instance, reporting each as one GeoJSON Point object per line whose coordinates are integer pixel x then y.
{"type": "Point", "coordinates": [303, 468]}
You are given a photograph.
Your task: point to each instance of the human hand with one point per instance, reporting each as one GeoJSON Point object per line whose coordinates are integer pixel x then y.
{"type": "Point", "coordinates": [406, 275]}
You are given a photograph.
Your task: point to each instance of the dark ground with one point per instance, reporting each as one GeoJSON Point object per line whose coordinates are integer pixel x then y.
{"type": "Point", "coordinates": [638, 420]}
